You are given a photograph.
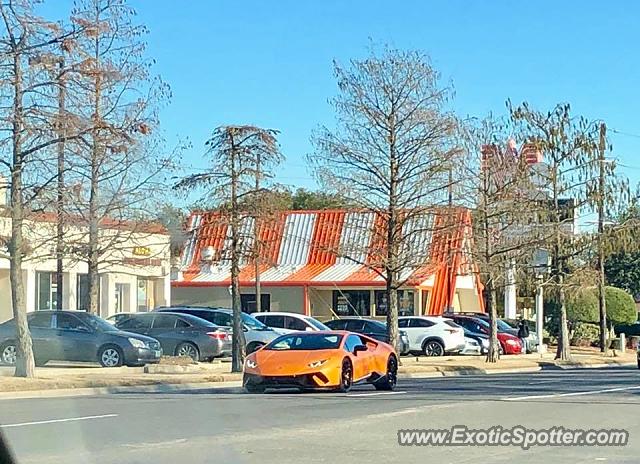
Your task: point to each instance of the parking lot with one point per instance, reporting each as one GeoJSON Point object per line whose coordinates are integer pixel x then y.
{"type": "Point", "coordinates": [227, 425]}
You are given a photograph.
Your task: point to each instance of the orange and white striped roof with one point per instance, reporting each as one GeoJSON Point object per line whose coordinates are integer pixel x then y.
{"type": "Point", "coordinates": [315, 248]}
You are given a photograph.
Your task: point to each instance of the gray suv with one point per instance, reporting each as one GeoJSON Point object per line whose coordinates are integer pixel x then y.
{"type": "Point", "coordinates": [256, 334]}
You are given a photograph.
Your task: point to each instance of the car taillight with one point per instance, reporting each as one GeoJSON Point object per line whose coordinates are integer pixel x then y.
{"type": "Point", "coordinates": [218, 335]}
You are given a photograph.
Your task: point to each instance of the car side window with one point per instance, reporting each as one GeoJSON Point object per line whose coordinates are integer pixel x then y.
{"type": "Point", "coordinates": [40, 321]}
{"type": "Point", "coordinates": [274, 321]}
{"type": "Point", "coordinates": [337, 324]}
{"type": "Point", "coordinates": [351, 342]}
{"type": "Point", "coordinates": [371, 327]}
{"type": "Point", "coordinates": [222, 319]}
{"type": "Point", "coordinates": [355, 326]}
{"type": "Point", "coordinates": [403, 323]}
{"type": "Point", "coordinates": [181, 323]}
{"type": "Point", "coordinates": [292, 323]}
{"type": "Point", "coordinates": [206, 315]}
{"type": "Point", "coordinates": [69, 322]}
{"type": "Point", "coordinates": [164, 321]}
{"type": "Point", "coordinates": [422, 323]}
{"type": "Point", "coordinates": [135, 323]}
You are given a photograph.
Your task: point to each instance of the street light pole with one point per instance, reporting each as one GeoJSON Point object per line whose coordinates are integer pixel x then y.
{"type": "Point", "coordinates": [602, 303]}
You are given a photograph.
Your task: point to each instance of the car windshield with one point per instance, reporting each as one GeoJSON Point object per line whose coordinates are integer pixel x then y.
{"type": "Point", "coordinates": [253, 323]}
{"type": "Point", "coordinates": [303, 342]}
{"type": "Point", "coordinates": [317, 324]}
{"type": "Point", "coordinates": [97, 323]}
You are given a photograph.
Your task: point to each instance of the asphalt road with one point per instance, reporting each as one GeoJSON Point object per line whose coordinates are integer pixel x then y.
{"type": "Point", "coordinates": [227, 426]}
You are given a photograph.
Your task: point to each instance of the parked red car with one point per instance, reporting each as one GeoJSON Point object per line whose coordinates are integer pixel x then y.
{"type": "Point", "coordinates": [510, 343]}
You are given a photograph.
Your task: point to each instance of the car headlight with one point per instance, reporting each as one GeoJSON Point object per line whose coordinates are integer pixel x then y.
{"type": "Point", "coordinates": [485, 342]}
{"type": "Point", "coordinates": [137, 343]}
{"type": "Point", "coordinates": [317, 363]}
{"type": "Point", "coordinates": [251, 364]}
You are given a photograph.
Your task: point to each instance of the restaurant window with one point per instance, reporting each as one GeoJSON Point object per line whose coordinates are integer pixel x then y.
{"type": "Point", "coordinates": [46, 290]}
{"type": "Point", "coordinates": [248, 302]}
{"type": "Point", "coordinates": [352, 302]}
{"type": "Point", "coordinates": [405, 303]}
{"type": "Point", "coordinates": [143, 294]}
{"type": "Point", "coordinates": [82, 292]}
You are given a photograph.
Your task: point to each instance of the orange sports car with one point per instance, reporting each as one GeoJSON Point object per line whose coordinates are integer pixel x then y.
{"type": "Point", "coordinates": [330, 360]}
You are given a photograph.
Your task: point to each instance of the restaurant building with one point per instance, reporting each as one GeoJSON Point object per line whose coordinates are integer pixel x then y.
{"type": "Point", "coordinates": [323, 263]}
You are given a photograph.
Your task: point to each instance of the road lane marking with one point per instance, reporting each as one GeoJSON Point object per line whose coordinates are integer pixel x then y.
{"type": "Point", "coordinates": [55, 421]}
{"type": "Point", "coordinates": [376, 394]}
{"type": "Point", "coordinates": [581, 393]}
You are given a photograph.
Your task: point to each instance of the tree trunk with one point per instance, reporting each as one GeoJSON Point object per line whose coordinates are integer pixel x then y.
{"type": "Point", "coordinates": [493, 355]}
{"type": "Point", "coordinates": [392, 312]}
{"type": "Point", "coordinates": [258, 289]}
{"type": "Point", "coordinates": [93, 252]}
{"type": "Point", "coordinates": [25, 365]}
{"type": "Point", "coordinates": [237, 345]}
{"type": "Point", "coordinates": [60, 194]}
{"type": "Point", "coordinates": [564, 351]}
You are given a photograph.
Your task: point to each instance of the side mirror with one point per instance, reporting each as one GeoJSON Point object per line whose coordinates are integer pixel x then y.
{"type": "Point", "coordinates": [244, 329]}
{"type": "Point", "coordinates": [359, 348]}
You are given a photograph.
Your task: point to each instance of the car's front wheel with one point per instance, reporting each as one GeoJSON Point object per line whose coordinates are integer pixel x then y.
{"type": "Point", "coordinates": [253, 388]}
{"type": "Point", "coordinates": [8, 354]}
{"type": "Point", "coordinates": [110, 356]}
{"type": "Point", "coordinates": [346, 376]}
{"type": "Point", "coordinates": [389, 381]}
{"type": "Point", "coordinates": [433, 348]}
{"type": "Point", "coordinates": [189, 350]}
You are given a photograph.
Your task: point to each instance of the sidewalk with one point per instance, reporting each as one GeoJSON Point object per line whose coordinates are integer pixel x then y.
{"type": "Point", "coordinates": [63, 380]}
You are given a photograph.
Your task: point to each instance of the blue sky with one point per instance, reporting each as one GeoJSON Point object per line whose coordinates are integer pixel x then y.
{"type": "Point", "coordinates": [269, 62]}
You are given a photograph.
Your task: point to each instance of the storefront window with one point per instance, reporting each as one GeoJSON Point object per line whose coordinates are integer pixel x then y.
{"type": "Point", "coordinates": [143, 294]}
{"type": "Point", "coordinates": [248, 302]}
{"type": "Point", "coordinates": [46, 290]}
{"type": "Point", "coordinates": [405, 303]}
{"type": "Point", "coordinates": [352, 302]}
{"type": "Point", "coordinates": [82, 292]}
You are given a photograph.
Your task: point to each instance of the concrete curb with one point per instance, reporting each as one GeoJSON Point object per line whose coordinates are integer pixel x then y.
{"type": "Point", "coordinates": [237, 384]}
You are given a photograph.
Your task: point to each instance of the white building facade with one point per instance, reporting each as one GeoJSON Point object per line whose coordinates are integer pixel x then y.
{"type": "Point", "coordinates": [134, 269]}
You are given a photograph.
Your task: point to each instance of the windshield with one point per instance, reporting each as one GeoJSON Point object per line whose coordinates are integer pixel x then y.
{"type": "Point", "coordinates": [253, 323]}
{"type": "Point", "coordinates": [97, 323]}
{"type": "Point", "coordinates": [317, 324]}
{"type": "Point", "coordinates": [302, 342]}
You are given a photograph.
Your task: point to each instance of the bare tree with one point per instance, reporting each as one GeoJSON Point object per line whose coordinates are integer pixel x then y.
{"type": "Point", "coordinates": [570, 147]}
{"type": "Point", "coordinates": [389, 155]}
{"type": "Point", "coordinates": [494, 181]}
{"type": "Point", "coordinates": [118, 166]}
{"type": "Point", "coordinates": [233, 152]}
{"type": "Point", "coordinates": [27, 96]}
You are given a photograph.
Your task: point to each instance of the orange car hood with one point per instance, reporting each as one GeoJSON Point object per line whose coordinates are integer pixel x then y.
{"type": "Point", "coordinates": [290, 361]}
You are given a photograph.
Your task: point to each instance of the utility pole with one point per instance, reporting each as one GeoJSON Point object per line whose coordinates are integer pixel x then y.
{"type": "Point", "coordinates": [602, 303]}
{"type": "Point", "coordinates": [60, 185]}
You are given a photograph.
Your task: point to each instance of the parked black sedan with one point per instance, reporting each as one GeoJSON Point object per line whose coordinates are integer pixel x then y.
{"type": "Point", "coordinates": [79, 336]}
{"type": "Point", "coordinates": [181, 334]}
{"type": "Point", "coordinates": [370, 327]}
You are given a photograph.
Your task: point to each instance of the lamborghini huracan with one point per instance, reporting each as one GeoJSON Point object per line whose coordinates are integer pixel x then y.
{"type": "Point", "coordinates": [325, 360]}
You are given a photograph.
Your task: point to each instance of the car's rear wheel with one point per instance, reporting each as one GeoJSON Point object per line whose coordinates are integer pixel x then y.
{"type": "Point", "coordinates": [389, 381]}
{"type": "Point", "coordinates": [346, 376]}
{"type": "Point", "coordinates": [433, 348]}
{"type": "Point", "coordinates": [8, 353]}
{"type": "Point", "coordinates": [188, 350]}
{"type": "Point", "coordinates": [110, 356]}
{"type": "Point", "coordinates": [254, 346]}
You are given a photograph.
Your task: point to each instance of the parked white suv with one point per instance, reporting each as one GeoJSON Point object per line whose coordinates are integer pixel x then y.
{"type": "Point", "coordinates": [290, 322]}
{"type": "Point", "coordinates": [433, 335]}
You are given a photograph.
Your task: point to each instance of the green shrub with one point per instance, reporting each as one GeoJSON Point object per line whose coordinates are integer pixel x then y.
{"type": "Point", "coordinates": [585, 334]}
{"type": "Point", "coordinates": [621, 308]}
